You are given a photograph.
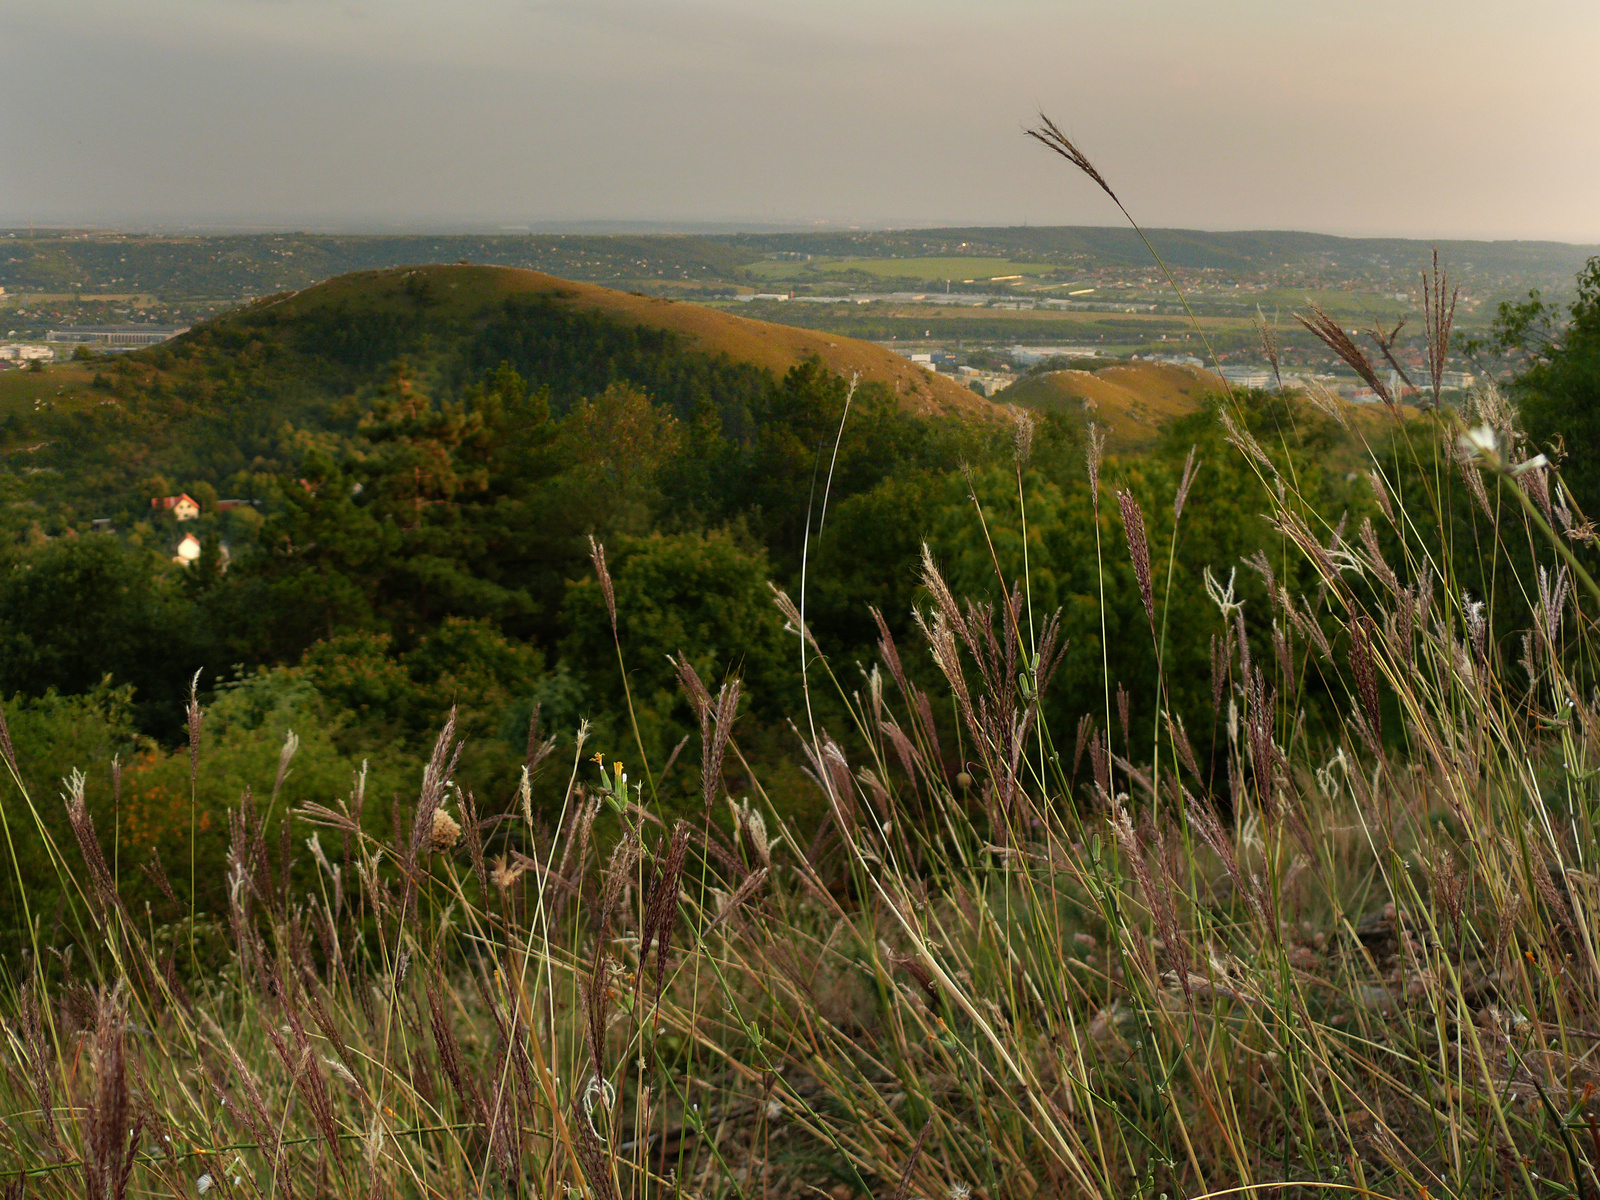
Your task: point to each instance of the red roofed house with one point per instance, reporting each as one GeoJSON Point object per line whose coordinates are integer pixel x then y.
{"type": "Point", "coordinates": [182, 506]}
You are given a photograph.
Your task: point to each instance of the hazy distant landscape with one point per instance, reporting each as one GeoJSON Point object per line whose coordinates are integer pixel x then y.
{"type": "Point", "coordinates": [1094, 287]}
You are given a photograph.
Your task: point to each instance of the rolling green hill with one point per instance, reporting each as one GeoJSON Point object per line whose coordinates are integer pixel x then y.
{"type": "Point", "coordinates": [488, 306]}
{"type": "Point", "coordinates": [215, 401]}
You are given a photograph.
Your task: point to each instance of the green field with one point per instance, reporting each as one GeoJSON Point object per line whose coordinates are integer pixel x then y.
{"type": "Point", "coordinates": [58, 384]}
{"type": "Point", "coordinates": [954, 270]}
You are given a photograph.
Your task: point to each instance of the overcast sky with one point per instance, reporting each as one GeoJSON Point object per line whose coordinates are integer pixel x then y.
{"type": "Point", "coordinates": [1472, 118]}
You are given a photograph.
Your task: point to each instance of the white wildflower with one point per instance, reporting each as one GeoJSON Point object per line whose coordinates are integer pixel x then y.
{"type": "Point", "coordinates": [1482, 444]}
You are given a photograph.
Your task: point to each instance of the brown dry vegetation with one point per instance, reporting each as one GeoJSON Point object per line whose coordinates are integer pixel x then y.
{"type": "Point", "coordinates": [1130, 401]}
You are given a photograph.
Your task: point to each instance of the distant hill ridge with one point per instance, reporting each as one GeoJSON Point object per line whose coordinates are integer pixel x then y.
{"type": "Point", "coordinates": [231, 265]}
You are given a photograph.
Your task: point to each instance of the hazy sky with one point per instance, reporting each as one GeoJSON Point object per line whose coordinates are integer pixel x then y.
{"type": "Point", "coordinates": [1473, 118]}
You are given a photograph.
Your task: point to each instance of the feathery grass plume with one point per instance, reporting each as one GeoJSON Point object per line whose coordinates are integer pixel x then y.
{"type": "Point", "coordinates": [942, 598]}
{"type": "Point", "coordinates": [1180, 740]}
{"type": "Point", "coordinates": [791, 615]}
{"type": "Point", "coordinates": [110, 1144]}
{"type": "Point", "coordinates": [942, 642]}
{"type": "Point", "coordinates": [1375, 560]}
{"type": "Point", "coordinates": [462, 1081]}
{"type": "Point", "coordinates": [713, 751]}
{"type": "Point", "coordinates": [1244, 441]}
{"type": "Point", "coordinates": [1439, 314]}
{"type": "Point", "coordinates": [1094, 450]}
{"type": "Point", "coordinates": [1381, 492]}
{"type": "Point", "coordinates": [1467, 456]}
{"type": "Point", "coordinates": [1138, 551]}
{"type": "Point", "coordinates": [1051, 138]}
{"type": "Point", "coordinates": [1531, 478]}
{"type": "Point", "coordinates": [6, 747]}
{"type": "Point", "coordinates": [1085, 731]}
{"type": "Point", "coordinates": [694, 690]}
{"type": "Point", "coordinates": [597, 554]}
{"type": "Point", "coordinates": [1365, 673]}
{"type": "Point", "coordinates": [291, 744]}
{"type": "Point", "coordinates": [661, 908]}
{"type": "Point", "coordinates": [619, 871]}
{"type": "Point", "coordinates": [472, 830]}
{"type": "Point", "coordinates": [104, 889]}
{"type": "Point", "coordinates": [37, 1055]}
{"type": "Point", "coordinates": [436, 774]}
{"type": "Point", "coordinates": [1100, 762]}
{"type": "Point", "coordinates": [538, 749]}
{"type": "Point", "coordinates": [889, 652]}
{"type": "Point", "coordinates": [1259, 711]}
{"type": "Point", "coordinates": [1311, 628]}
{"type": "Point", "coordinates": [1553, 593]}
{"type": "Point", "coordinates": [903, 1189]}
{"type": "Point", "coordinates": [737, 899]}
{"type": "Point", "coordinates": [1268, 337]}
{"type": "Point", "coordinates": [914, 967]}
{"type": "Point", "coordinates": [1221, 659]}
{"type": "Point", "coordinates": [1156, 899]}
{"type": "Point", "coordinates": [1332, 334]}
{"type": "Point", "coordinates": [595, 994]}
{"type": "Point", "coordinates": [1555, 902]}
{"type": "Point", "coordinates": [1021, 437]}
{"type": "Point", "coordinates": [1122, 711]}
{"type": "Point", "coordinates": [195, 718]}
{"type": "Point", "coordinates": [591, 1151]}
{"type": "Point", "coordinates": [751, 827]}
{"type": "Point", "coordinates": [1190, 470]}
{"type": "Point", "coordinates": [1385, 340]}
{"type": "Point", "coordinates": [300, 1062]}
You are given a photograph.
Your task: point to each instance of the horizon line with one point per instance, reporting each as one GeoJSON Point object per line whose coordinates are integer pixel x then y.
{"type": "Point", "coordinates": [11, 227]}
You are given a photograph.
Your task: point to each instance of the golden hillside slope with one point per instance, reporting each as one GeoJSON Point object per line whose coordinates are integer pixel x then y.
{"type": "Point", "coordinates": [1130, 401]}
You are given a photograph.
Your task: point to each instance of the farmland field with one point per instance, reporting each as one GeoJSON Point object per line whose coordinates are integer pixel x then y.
{"type": "Point", "coordinates": [955, 269]}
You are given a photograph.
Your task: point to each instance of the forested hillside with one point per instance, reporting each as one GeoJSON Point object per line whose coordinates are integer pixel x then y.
{"type": "Point", "coordinates": [417, 461]}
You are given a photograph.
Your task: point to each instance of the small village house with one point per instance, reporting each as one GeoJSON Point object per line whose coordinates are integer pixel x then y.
{"type": "Point", "coordinates": [182, 506]}
{"type": "Point", "coordinates": [187, 552]}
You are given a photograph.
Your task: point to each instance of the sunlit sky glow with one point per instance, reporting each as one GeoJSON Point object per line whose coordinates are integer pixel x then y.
{"type": "Point", "coordinates": [1464, 119]}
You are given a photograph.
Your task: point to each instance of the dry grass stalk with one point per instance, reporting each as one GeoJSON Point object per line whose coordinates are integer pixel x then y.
{"type": "Point", "coordinates": [1439, 298]}
{"type": "Point", "coordinates": [1332, 334]}
{"type": "Point", "coordinates": [1267, 335]}
{"type": "Point", "coordinates": [1138, 551]}
{"type": "Point", "coordinates": [597, 554]}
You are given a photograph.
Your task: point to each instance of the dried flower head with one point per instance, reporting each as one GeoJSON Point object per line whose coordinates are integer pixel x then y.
{"type": "Point", "coordinates": [446, 832]}
{"type": "Point", "coordinates": [504, 874]}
